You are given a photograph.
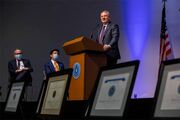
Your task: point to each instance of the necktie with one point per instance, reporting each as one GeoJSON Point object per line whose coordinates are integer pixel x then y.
{"type": "Point", "coordinates": [56, 66]}
{"type": "Point", "coordinates": [18, 64]}
{"type": "Point", "coordinates": [102, 34]}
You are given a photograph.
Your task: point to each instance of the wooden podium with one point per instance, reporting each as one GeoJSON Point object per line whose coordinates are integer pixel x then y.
{"type": "Point", "coordinates": [86, 57]}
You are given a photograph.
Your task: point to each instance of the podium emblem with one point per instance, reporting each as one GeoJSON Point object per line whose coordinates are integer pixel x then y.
{"type": "Point", "coordinates": [76, 70]}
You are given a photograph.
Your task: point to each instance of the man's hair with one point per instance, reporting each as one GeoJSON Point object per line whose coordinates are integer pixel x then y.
{"type": "Point", "coordinates": [53, 51]}
{"type": "Point", "coordinates": [106, 11]}
{"type": "Point", "coordinates": [17, 49]}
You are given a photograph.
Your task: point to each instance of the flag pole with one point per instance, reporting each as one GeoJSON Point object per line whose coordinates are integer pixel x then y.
{"type": "Point", "coordinates": [164, 1]}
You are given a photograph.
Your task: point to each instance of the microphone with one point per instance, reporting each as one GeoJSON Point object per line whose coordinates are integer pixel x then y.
{"type": "Point", "coordinates": [91, 35]}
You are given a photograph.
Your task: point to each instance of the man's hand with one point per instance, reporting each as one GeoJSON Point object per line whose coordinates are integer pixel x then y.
{"type": "Point", "coordinates": [18, 70]}
{"type": "Point", "coordinates": [106, 47]}
{"type": "Point", "coordinates": [23, 69]}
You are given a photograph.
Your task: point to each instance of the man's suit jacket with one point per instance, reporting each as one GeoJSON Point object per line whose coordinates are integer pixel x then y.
{"type": "Point", "coordinates": [25, 75]}
{"type": "Point", "coordinates": [111, 37]}
{"type": "Point", "coordinates": [49, 67]}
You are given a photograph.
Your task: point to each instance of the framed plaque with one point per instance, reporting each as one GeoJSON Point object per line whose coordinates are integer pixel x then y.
{"type": "Point", "coordinates": [113, 90]}
{"type": "Point", "coordinates": [41, 96]}
{"type": "Point", "coordinates": [167, 93]}
{"type": "Point", "coordinates": [14, 96]}
{"type": "Point", "coordinates": [56, 92]}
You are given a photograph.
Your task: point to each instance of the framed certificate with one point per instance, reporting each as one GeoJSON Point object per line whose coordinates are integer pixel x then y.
{"type": "Point", "coordinates": [56, 92]}
{"type": "Point", "coordinates": [41, 96]}
{"type": "Point", "coordinates": [113, 90]}
{"type": "Point", "coordinates": [167, 93]}
{"type": "Point", "coordinates": [14, 96]}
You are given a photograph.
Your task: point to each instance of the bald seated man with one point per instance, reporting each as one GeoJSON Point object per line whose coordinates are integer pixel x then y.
{"type": "Point", "coordinates": [20, 68]}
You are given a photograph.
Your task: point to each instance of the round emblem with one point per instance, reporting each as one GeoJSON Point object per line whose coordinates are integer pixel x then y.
{"type": "Point", "coordinates": [76, 70]}
{"type": "Point", "coordinates": [54, 94]}
{"type": "Point", "coordinates": [111, 91]}
{"type": "Point", "coordinates": [178, 90]}
{"type": "Point", "coordinates": [14, 96]}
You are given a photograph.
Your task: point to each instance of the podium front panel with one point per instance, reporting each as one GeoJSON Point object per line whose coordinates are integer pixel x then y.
{"type": "Point", "coordinates": [85, 70]}
{"type": "Point", "coordinates": [76, 90]}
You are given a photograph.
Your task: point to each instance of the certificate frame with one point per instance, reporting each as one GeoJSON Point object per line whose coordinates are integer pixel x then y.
{"type": "Point", "coordinates": [56, 93]}
{"type": "Point", "coordinates": [104, 103]}
{"type": "Point", "coordinates": [41, 96]}
{"type": "Point", "coordinates": [14, 97]}
{"type": "Point", "coordinates": [167, 92]}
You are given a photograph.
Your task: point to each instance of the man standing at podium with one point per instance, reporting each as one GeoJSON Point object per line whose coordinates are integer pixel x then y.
{"type": "Point", "coordinates": [107, 34]}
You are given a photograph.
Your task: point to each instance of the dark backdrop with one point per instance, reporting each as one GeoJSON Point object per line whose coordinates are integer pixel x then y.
{"type": "Point", "coordinates": [37, 26]}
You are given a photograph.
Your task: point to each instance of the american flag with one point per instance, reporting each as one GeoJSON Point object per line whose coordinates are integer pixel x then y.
{"type": "Point", "coordinates": [166, 51]}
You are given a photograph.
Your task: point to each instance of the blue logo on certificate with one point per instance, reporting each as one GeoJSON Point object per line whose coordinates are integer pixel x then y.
{"type": "Point", "coordinates": [178, 90]}
{"type": "Point", "coordinates": [111, 91]}
{"type": "Point", "coordinates": [76, 70]}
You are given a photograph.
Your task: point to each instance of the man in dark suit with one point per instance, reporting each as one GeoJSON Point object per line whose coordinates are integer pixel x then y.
{"type": "Point", "coordinates": [53, 65]}
{"type": "Point", "coordinates": [20, 68]}
{"type": "Point", "coordinates": [107, 34]}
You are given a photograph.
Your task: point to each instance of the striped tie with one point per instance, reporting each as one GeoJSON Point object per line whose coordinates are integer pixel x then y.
{"type": "Point", "coordinates": [102, 35]}
{"type": "Point", "coordinates": [56, 66]}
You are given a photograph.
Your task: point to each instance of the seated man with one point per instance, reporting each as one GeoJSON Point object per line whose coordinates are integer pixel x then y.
{"type": "Point", "coordinates": [54, 65]}
{"type": "Point", "coordinates": [20, 68]}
